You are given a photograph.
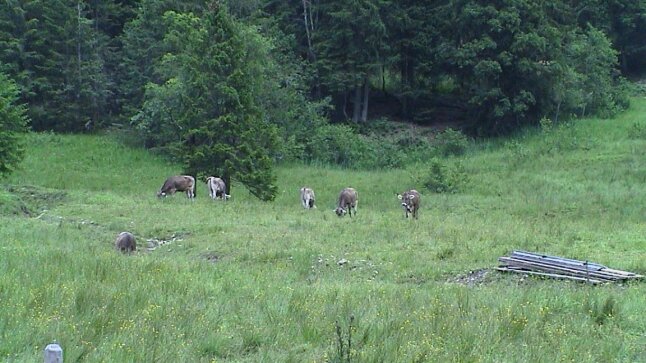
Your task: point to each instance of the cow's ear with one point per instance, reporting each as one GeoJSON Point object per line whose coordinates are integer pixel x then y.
{"type": "Point", "coordinates": [399, 196]}
{"type": "Point", "coordinates": [411, 197]}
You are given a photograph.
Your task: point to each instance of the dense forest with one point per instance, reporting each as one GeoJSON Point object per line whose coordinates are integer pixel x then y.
{"type": "Point", "coordinates": [231, 87]}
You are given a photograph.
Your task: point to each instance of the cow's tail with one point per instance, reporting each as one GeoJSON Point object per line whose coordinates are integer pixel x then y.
{"type": "Point", "coordinates": [194, 188]}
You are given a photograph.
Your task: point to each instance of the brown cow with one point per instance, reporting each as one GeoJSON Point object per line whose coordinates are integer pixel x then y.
{"type": "Point", "coordinates": [348, 199]}
{"type": "Point", "coordinates": [410, 202]}
{"type": "Point", "coordinates": [125, 242]}
{"type": "Point", "coordinates": [178, 183]}
{"type": "Point", "coordinates": [217, 188]}
{"type": "Point", "coordinates": [307, 198]}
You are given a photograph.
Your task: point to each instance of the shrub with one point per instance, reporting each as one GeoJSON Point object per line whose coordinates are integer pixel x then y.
{"type": "Point", "coordinates": [341, 145]}
{"type": "Point", "coordinates": [442, 178]}
{"type": "Point", "coordinates": [637, 131]}
{"type": "Point", "coordinates": [335, 144]}
{"type": "Point", "coordinates": [451, 142]}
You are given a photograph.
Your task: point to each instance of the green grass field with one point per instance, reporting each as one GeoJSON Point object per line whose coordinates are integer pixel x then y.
{"type": "Point", "coordinates": [249, 281]}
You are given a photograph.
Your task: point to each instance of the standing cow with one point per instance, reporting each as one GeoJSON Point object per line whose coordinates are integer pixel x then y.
{"type": "Point", "coordinates": [348, 200]}
{"type": "Point", "coordinates": [217, 188]}
{"type": "Point", "coordinates": [178, 183]}
{"type": "Point", "coordinates": [307, 198]}
{"type": "Point", "coordinates": [125, 242]}
{"type": "Point", "coordinates": [410, 202]}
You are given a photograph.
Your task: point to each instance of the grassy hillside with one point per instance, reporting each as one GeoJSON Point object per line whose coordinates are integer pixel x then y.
{"type": "Point", "coordinates": [247, 281]}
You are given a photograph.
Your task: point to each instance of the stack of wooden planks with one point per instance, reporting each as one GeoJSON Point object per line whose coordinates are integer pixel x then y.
{"type": "Point", "coordinates": [562, 268]}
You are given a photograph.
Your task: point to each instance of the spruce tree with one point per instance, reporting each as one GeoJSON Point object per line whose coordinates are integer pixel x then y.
{"type": "Point", "coordinates": [208, 100]}
{"type": "Point", "coordinates": [13, 120]}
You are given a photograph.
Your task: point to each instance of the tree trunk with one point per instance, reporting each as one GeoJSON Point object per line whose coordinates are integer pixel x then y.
{"type": "Point", "coordinates": [366, 90]}
{"type": "Point", "coordinates": [357, 104]}
{"type": "Point", "coordinates": [345, 105]}
{"type": "Point", "coordinates": [227, 181]}
{"type": "Point", "coordinates": [404, 86]}
{"type": "Point", "coordinates": [383, 78]}
{"type": "Point", "coordinates": [624, 61]}
{"type": "Point", "coordinates": [310, 28]}
{"type": "Point", "coordinates": [78, 49]}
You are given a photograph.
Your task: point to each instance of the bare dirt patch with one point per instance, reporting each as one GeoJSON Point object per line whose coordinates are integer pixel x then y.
{"type": "Point", "coordinates": [211, 257]}
{"type": "Point", "coordinates": [473, 278]}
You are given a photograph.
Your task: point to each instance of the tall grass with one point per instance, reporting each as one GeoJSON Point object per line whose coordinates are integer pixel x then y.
{"type": "Point", "coordinates": [248, 281]}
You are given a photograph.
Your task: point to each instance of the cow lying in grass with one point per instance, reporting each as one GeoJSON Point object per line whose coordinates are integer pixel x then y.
{"type": "Point", "coordinates": [410, 202]}
{"type": "Point", "coordinates": [217, 188]}
{"type": "Point", "coordinates": [307, 198]}
{"type": "Point", "coordinates": [178, 183]}
{"type": "Point", "coordinates": [348, 200]}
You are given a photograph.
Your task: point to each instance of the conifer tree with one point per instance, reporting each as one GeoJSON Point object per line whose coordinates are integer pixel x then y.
{"type": "Point", "coordinates": [208, 100]}
{"type": "Point", "coordinates": [13, 120]}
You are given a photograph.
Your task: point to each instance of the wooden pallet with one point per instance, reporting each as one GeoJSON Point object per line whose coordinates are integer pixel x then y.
{"type": "Point", "coordinates": [562, 268]}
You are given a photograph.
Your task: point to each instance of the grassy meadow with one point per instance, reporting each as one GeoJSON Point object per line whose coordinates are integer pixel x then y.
{"type": "Point", "coordinates": [250, 281]}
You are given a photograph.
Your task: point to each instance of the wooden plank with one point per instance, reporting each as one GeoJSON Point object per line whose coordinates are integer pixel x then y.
{"type": "Point", "coordinates": [557, 260]}
{"type": "Point", "coordinates": [558, 269]}
{"type": "Point", "coordinates": [614, 274]}
{"type": "Point", "coordinates": [550, 275]}
{"type": "Point", "coordinates": [625, 273]}
{"type": "Point", "coordinates": [570, 267]}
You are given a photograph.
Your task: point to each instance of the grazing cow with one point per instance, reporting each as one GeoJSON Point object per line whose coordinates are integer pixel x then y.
{"type": "Point", "coordinates": [217, 188]}
{"type": "Point", "coordinates": [125, 242]}
{"type": "Point", "coordinates": [307, 198]}
{"type": "Point", "coordinates": [348, 200]}
{"type": "Point", "coordinates": [178, 183]}
{"type": "Point", "coordinates": [410, 202]}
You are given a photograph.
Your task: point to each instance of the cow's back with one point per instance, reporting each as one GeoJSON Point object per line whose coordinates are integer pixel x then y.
{"type": "Point", "coordinates": [125, 242]}
{"type": "Point", "coordinates": [348, 197]}
{"type": "Point", "coordinates": [182, 183]}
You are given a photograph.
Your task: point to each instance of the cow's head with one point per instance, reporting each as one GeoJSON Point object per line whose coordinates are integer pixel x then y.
{"type": "Point", "coordinates": [407, 201]}
{"type": "Point", "coordinates": [161, 194]}
{"type": "Point", "coordinates": [340, 211]}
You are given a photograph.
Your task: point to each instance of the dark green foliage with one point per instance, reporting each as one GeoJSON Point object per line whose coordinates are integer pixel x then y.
{"type": "Point", "coordinates": [624, 22]}
{"type": "Point", "coordinates": [59, 57]}
{"type": "Point", "coordinates": [13, 121]}
{"type": "Point", "coordinates": [143, 48]}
